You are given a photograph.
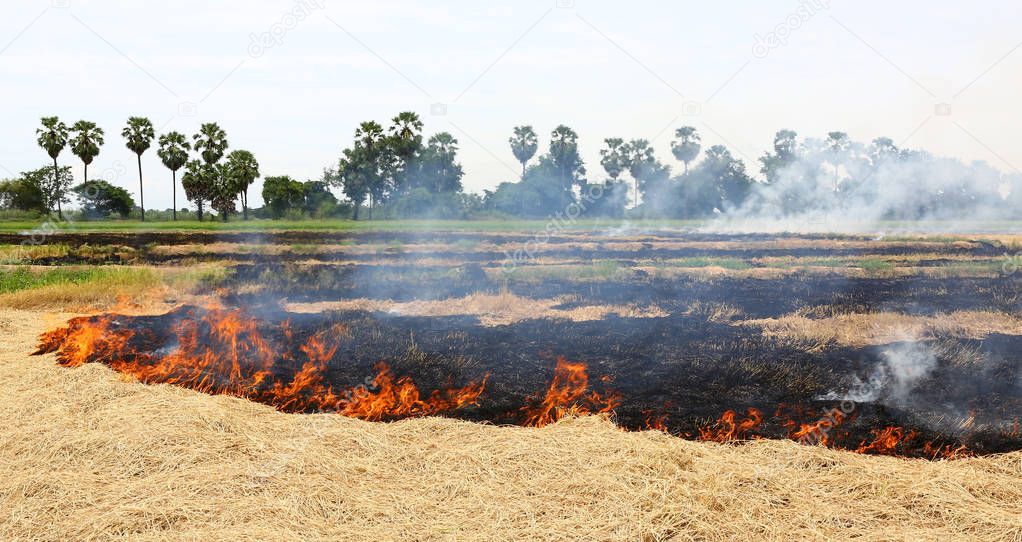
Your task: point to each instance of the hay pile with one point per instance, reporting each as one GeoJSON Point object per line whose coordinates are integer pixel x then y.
{"type": "Point", "coordinates": [85, 455]}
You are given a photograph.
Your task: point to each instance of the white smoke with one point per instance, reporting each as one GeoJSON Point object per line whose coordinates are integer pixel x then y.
{"type": "Point", "coordinates": [905, 365]}
{"type": "Point", "coordinates": [864, 188]}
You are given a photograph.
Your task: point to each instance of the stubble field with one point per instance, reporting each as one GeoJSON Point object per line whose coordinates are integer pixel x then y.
{"type": "Point", "coordinates": [604, 383]}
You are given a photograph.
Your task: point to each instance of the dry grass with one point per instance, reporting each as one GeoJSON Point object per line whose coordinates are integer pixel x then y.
{"type": "Point", "coordinates": [491, 309]}
{"type": "Point", "coordinates": [883, 327]}
{"type": "Point", "coordinates": [85, 455]}
{"type": "Point", "coordinates": [109, 287]}
{"type": "Point", "coordinates": [101, 288]}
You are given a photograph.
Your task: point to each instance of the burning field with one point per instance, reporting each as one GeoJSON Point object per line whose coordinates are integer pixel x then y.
{"type": "Point", "coordinates": [655, 386]}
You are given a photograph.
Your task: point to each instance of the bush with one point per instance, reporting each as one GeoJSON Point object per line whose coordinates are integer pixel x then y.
{"type": "Point", "coordinates": [100, 199]}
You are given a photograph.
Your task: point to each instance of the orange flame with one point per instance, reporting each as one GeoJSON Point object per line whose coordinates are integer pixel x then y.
{"type": "Point", "coordinates": [83, 340]}
{"type": "Point", "coordinates": [655, 421]}
{"type": "Point", "coordinates": [400, 398]}
{"type": "Point", "coordinates": [726, 429]}
{"type": "Point", "coordinates": [818, 432]}
{"type": "Point", "coordinates": [222, 351]}
{"type": "Point", "coordinates": [886, 441]}
{"type": "Point", "coordinates": [569, 395]}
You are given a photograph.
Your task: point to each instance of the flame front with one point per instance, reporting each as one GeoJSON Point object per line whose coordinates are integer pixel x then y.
{"type": "Point", "coordinates": [728, 430]}
{"type": "Point", "coordinates": [221, 351]}
{"type": "Point", "coordinates": [568, 395]}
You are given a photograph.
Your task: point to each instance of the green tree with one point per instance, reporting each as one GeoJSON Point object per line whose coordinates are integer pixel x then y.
{"type": "Point", "coordinates": [727, 174]}
{"type": "Point", "coordinates": [838, 146]}
{"type": "Point", "coordinates": [100, 198]}
{"type": "Point", "coordinates": [57, 188]}
{"type": "Point", "coordinates": [565, 158]}
{"type": "Point", "coordinates": [369, 163]}
{"type": "Point", "coordinates": [640, 160]}
{"type": "Point", "coordinates": [243, 171]}
{"type": "Point", "coordinates": [524, 144]}
{"type": "Point", "coordinates": [223, 190]}
{"type": "Point", "coordinates": [881, 150]}
{"type": "Point", "coordinates": [85, 143]}
{"type": "Point", "coordinates": [138, 136]}
{"type": "Point", "coordinates": [26, 192]}
{"type": "Point", "coordinates": [405, 142]}
{"type": "Point", "coordinates": [173, 153]}
{"type": "Point", "coordinates": [52, 137]}
{"type": "Point", "coordinates": [282, 194]}
{"type": "Point", "coordinates": [197, 182]}
{"type": "Point", "coordinates": [785, 153]}
{"type": "Point", "coordinates": [687, 145]}
{"type": "Point", "coordinates": [439, 170]}
{"type": "Point", "coordinates": [351, 178]}
{"type": "Point", "coordinates": [319, 201]}
{"type": "Point", "coordinates": [211, 142]}
{"type": "Point", "coordinates": [613, 158]}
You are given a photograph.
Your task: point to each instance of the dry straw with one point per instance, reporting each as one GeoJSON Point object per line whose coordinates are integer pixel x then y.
{"type": "Point", "coordinates": [85, 455]}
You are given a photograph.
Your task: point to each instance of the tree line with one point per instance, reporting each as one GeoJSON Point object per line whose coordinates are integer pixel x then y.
{"type": "Point", "coordinates": [212, 176]}
{"type": "Point", "coordinates": [397, 171]}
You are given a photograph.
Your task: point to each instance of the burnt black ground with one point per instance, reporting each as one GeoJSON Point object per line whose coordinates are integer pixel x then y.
{"type": "Point", "coordinates": [682, 368]}
{"type": "Point", "coordinates": [756, 298]}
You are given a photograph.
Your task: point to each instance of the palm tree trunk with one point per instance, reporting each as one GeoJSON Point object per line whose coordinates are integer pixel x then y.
{"type": "Point", "coordinates": [141, 198]}
{"type": "Point", "coordinates": [173, 191]}
{"type": "Point", "coordinates": [199, 212]}
{"type": "Point", "coordinates": [56, 186]}
{"type": "Point", "coordinates": [86, 174]}
{"type": "Point", "coordinates": [244, 204]}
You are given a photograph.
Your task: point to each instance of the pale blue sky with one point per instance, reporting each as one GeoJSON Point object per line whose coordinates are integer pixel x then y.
{"type": "Point", "coordinates": [625, 69]}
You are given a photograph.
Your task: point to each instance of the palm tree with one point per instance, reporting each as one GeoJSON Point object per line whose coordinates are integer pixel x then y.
{"type": "Point", "coordinates": [86, 142]}
{"type": "Point", "coordinates": [405, 139]}
{"type": "Point", "coordinates": [198, 182]}
{"type": "Point", "coordinates": [243, 170]}
{"type": "Point", "coordinates": [406, 125]}
{"type": "Point", "coordinates": [524, 144]}
{"type": "Point", "coordinates": [222, 189]}
{"type": "Point", "coordinates": [53, 138]}
{"type": "Point", "coordinates": [211, 142]}
{"type": "Point", "coordinates": [370, 147]}
{"type": "Point", "coordinates": [639, 159]}
{"type": "Point", "coordinates": [687, 146]}
{"type": "Point", "coordinates": [838, 145]}
{"type": "Point", "coordinates": [613, 157]}
{"type": "Point", "coordinates": [173, 152]}
{"type": "Point", "coordinates": [139, 136]}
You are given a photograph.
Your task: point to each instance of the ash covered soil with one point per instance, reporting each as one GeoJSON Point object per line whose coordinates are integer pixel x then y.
{"type": "Point", "coordinates": [918, 335]}
{"type": "Point", "coordinates": [692, 358]}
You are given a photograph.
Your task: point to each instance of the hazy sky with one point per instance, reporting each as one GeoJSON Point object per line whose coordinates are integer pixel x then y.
{"type": "Point", "coordinates": [737, 71]}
